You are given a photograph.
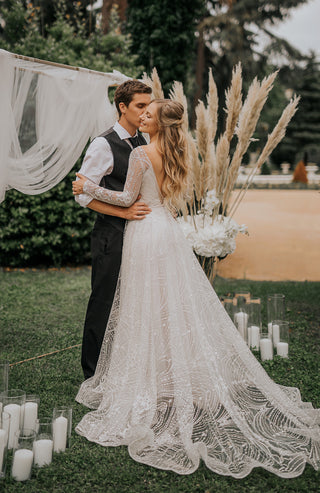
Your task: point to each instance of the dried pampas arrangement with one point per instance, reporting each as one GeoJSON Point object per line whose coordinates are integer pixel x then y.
{"type": "Point", "coordinates": [206, 214]}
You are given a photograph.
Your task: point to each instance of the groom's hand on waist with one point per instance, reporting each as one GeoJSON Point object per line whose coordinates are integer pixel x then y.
{"type": "Point", "coordinates": [138, 210]}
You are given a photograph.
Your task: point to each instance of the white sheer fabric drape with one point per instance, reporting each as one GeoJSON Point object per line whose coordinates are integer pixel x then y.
{"type": "Point", "coordinates": [47, 115]}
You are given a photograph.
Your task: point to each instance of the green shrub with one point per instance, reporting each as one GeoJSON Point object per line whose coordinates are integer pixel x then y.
{"type": "Point", "coordinates": [50, 229]}
{"type": "Point", "coordinates": [265, 169]}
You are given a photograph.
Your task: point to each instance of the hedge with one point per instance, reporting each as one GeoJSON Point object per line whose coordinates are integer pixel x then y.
{"type": "Point", "coordinates": [46, 230]}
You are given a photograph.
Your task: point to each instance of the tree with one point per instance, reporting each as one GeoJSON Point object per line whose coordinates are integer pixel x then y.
{"type": "Point", "coordinates": [106, 10]}
{"type": "Point", "coordinates": [67, 40]}
{"type": "Point", "coordinates": [228, 33]}
{"type": "Point", "coordinates": [163, 36]}
{"type": "Point", "coordinates": [47, 13]}
{"type": "Point", "coordinates": [304, 132]}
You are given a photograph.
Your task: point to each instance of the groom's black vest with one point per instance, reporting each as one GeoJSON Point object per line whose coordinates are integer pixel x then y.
{"type": "Point", "coordinates": [117, 178]}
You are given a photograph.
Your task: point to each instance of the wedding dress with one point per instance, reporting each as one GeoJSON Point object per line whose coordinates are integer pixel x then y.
{"type": "Point", "coordinates": [175, 381]}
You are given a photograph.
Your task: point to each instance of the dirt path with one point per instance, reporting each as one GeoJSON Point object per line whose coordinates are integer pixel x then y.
{"type": "Point", "coordinates": [284, 241]}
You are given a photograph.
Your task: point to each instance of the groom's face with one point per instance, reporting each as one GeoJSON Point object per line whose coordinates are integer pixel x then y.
{"type": "Point", "coordinates": [135, 109]}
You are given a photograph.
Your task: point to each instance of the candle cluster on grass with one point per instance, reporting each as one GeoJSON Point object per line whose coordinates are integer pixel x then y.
{"type": "Point", "coordinates": [31, 440]}
{"type": "Point", "coordinates": [245, 311]}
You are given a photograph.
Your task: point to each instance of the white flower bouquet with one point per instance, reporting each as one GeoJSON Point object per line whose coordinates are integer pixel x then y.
{"type": "Point", "coordinates": [211, 238]}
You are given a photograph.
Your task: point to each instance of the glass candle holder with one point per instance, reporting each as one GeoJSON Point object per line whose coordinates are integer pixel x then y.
{"type": "Point", "coordinates": [229, 306]}
{"type": "Point", "coordinates": [13, 404]}
{"type": "Point", "coordinates": [30, 414]}
{"type": "Point", "coordinates": [282, 344]}
{"type": "Point", "coordinates": [275, 330]}
{"type": "Point", "coordinates": [43, 444]}
{"type": "Point", "coordinates": [240, 314]}
{"type": "Point", "coordinates": [61, 428]}
{"type": "Point", "coordinates": [4, 375]}
{"type": "Point", "coordinates": [254, 323]}
{"type": "Point", "coordinates": [243, 298]}
{"type": "Point", "coordinates": [275, 307]}
{"type": "Point", "coordinates": [265, 344]}
{"type": "Point", "coordinates": [4, 433]}
{"type": "Point", "coordinates": [23, 456]}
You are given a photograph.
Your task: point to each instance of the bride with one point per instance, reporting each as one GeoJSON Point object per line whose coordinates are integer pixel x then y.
{"type": "Point", "coordinates": [175, 381]}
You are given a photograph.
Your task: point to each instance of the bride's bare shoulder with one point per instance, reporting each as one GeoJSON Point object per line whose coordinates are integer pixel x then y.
{"type": "Point", "coordinates": [151, 151]}
{"type": "Point", "coordinates": [146, 147]}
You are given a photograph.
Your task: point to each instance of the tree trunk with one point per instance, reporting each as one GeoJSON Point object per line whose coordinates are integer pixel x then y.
{"type": "Point", "coordinates": [106, 11]}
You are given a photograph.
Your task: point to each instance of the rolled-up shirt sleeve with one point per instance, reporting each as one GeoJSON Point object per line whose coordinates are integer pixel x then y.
{"type": "Point", "coordinates": [97, 162]}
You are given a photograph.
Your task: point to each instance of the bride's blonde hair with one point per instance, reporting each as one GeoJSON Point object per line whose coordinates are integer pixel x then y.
{"type": "Point", "coordinates": [172, 145]}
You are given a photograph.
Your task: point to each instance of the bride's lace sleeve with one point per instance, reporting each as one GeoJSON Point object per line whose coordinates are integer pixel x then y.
{"type": "Point", "coordinates": [137, 166]}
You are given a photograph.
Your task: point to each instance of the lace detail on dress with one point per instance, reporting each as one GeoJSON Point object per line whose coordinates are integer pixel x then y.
{"type": "Point", "coordinates": [175, 381]}
{"type": "Point", "coordinates": [138, 163]}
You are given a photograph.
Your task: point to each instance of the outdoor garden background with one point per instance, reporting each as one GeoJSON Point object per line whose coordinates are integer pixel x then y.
{"type": "Point", "coordinates": [45, 239]}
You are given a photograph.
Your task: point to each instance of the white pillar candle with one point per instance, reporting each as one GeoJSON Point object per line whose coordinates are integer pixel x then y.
{"type": "Point", "coordinates": [22, 464]}
{"type": "Point", "coordinates": [3, 444]}
{"type": "Point", "coordinates": [282, 349]}
{"type": "Point", "coordinates": [60, 430]}
{"type": "Point", "coordinates": [30, 416]}
{"type": "Point", "coordinates": [241, 320]}
{"type": "Point", "coordinates": [14, 411]}
{"type": "Point", "coordinates": [270, 330]}
{"type": "Point", "coordinates": [42, 452]}
{"type": "Point", "coordinates": [266, 351]}
{"type": "Point", "coordinates": [275, 334]}
{"type": "Point", "coordinates": [254, 336]}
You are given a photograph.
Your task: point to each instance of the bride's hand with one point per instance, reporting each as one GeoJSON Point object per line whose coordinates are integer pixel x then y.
{"type": "Point", "coordinates": [77, 186]}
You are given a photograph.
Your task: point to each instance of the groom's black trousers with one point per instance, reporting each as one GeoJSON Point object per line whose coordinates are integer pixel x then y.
{"type": "Point", "coordinates": [106, 250]}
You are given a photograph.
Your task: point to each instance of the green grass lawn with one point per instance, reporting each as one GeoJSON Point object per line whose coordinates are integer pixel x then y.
{"type": "Point", "coordinates": [43, 311]}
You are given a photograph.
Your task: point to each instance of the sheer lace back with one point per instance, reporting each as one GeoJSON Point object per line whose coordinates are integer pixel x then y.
{"type": "Point", "coordinates": [150, 192]}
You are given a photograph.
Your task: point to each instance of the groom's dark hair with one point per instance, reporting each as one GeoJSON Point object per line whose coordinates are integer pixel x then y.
{"type": "Point", "coordinates": [125, 92]}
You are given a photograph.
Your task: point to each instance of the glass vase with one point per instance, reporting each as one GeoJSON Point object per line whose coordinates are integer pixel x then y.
{"type": "Point", "coordinates": [240, 316]}
{"type": "Point", "coordinates": [13, 403]}
{"type": "Point", "coordinates": [22, 459]}
{"type": "Point", "coordinates": [43, 445]}
{"type": "Point", "coordinates": [265, 344]}
{"type": "Point", "coordinates": [4, 434]}
{"type": "Point", "coordinates": [282, 343]}
{"type": "Point", "coordinates": [61, 428]}
{"type": "Point", "coordinates": [275, 307]}
{"type": "Point", "coordinates": [229, 305]}
{"type": "Point", "coordinates": [254, 323]}
{"type": "Point", "coordinates": [30, 413]}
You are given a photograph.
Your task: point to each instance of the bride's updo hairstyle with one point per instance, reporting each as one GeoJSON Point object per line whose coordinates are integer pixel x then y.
{"type": "Point", "coordinates": [172, 145]}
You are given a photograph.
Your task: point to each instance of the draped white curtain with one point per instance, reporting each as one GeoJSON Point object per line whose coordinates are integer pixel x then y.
{"type": "Point", "coordinates": [47, 115]}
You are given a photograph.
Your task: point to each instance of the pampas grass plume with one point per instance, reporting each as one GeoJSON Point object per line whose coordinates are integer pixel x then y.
{"type": "Point", "coordinates": [202, 129]}
{"type": "Point", "coordinates": [212, 107]}
{"type": "Point", "coordinates": [156, 85]}
{"type": "Point", "coordinates": [233, 101]}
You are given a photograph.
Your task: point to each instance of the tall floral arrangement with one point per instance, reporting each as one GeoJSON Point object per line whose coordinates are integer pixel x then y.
{"type": "Point", "coordinates": [206, 214]}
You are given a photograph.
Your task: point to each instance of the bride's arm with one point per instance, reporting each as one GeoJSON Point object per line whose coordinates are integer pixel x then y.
{"type": "Point", "coordinates": [136, 168]}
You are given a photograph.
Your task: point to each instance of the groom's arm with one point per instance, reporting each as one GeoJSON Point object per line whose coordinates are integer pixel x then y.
{"type": "Point", "coordinates": [138, 210]}
{"type": "Point", "coordinates": [98, 162]}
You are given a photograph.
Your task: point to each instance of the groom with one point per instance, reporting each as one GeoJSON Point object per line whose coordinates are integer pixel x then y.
{"type": "Point", "coordinates": [106, 163]}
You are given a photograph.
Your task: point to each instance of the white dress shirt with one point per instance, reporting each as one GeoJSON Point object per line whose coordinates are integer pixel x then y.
{"type": "Point", "coordinates": [98, 161]}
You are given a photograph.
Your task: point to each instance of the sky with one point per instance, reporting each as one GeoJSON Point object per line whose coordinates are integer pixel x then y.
{"type": "Point", "coordinates": [302, 28]}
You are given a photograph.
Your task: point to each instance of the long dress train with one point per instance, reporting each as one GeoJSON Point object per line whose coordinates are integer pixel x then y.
{"type": "Point", "coordinates": [175, 381]}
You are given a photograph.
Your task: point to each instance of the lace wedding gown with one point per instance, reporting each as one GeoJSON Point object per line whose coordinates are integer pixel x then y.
{"type": "Point", "coordinates": [175, 381]}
